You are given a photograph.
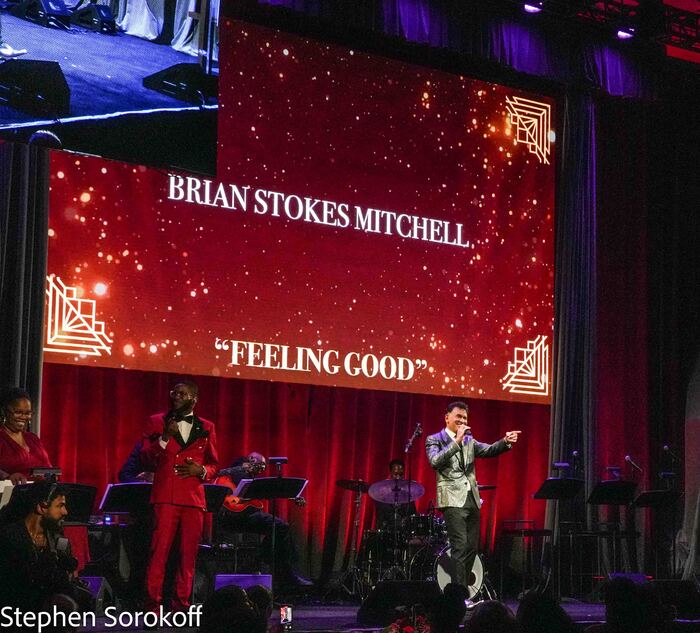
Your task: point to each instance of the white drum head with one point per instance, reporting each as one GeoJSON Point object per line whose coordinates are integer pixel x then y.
{"type": "Point", "coordinates": [443, 572]}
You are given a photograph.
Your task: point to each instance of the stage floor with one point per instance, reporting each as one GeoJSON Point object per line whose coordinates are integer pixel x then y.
{"type": "Point", "coordinates": [104, 72]}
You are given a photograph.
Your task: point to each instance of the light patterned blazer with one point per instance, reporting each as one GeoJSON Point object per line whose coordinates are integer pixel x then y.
{"type": "Point", "coordinates": [455, 467]}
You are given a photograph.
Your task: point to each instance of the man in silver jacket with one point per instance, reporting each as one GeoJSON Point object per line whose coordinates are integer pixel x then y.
{"type": "Point", "coordinates": [451, 453]}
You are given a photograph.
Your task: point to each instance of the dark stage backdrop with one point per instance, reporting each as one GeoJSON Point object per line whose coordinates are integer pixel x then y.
{"type": "Point", "coordinates": [622, 370]}
{"type": "Point", "coordinates": [93, 416]}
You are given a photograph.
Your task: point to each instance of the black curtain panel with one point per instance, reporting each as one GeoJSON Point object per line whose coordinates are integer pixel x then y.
{"type": "Point", "coordinates": [24, 190]}
{"type": "Point", "coordinates": [572, 410]}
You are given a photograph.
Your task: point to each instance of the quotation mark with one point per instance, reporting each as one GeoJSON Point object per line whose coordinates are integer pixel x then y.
{"type": "Point", "coordinates": [420, 363]}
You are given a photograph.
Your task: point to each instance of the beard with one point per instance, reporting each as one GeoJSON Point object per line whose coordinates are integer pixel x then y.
{"type": "Point", "coordinates": [52, 525]}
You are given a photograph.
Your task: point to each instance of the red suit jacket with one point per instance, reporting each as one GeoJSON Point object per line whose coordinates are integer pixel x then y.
{"type": "Point", "coordinates": [200, 446]}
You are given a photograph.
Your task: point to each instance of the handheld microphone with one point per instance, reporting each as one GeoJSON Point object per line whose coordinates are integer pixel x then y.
{"type": "Point", "coordinates": [574, 454]}
{"type": "Point", "coordinates": [631, 462]}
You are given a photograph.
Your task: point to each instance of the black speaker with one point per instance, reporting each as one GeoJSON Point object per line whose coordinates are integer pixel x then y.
{"type": "Point", "coordinates": [379, 608]}
{"type": "Point", "coordinates": [187, 82]}
{"type": "Point", "coordinates": [95, 17]}
{"type": "Point", "coordinates": [682, 594]}
{"type": "Point", "coordinates": [34, 86]}
{"type": "Point", "coordinates": [101, 593]}
{"type": "Point", "coordinates": [43, 12]}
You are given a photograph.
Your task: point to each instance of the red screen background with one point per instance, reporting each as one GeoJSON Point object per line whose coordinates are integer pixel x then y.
{"type": "Point", "coordinates": [301, 117]}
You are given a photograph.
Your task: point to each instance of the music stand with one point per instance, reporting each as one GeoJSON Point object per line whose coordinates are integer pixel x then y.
{"type": "Point", "coordinates": [80, 499]}
{"type": "Point", "coordinates": [271, 488]}
{"type": "Point", "coordinates": [215, 495]}
{"type": "Point", "coordinates": [558, 489]}
{"type": "Point", "coordinates": [127, 498]}
{"type": "Point", "coordinates": [658, 499]}
{"type": "Point", "coordinates": [613, 492]}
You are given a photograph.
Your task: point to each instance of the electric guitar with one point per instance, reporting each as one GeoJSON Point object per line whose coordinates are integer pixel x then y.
{"type": "Point", "coordinates": [233, 503]}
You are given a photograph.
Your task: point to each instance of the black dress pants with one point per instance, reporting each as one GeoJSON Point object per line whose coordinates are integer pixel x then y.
{"type": "Point", "coordinates": [463, 532]}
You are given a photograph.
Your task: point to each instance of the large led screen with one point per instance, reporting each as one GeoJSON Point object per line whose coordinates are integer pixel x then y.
{"type": "Point", "coordinates": [373, 224]}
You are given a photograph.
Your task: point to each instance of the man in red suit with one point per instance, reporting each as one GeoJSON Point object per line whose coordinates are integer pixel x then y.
{"type": "Point", "coordinates": [181, 450]}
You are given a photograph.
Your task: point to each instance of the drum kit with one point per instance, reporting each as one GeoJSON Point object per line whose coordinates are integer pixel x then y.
{"type": "Point", "coordinates": [412, 547]}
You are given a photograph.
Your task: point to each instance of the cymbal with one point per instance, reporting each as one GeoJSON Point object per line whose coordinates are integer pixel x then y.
{"type": "Point", "coordinates": [487, 486]}
{"type": "Point", "coordinates": [356, 485]}
{"type": "Point", "coordinates": [396, 491]}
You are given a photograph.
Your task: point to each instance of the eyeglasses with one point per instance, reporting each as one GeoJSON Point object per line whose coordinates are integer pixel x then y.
{"type": "Point", "coordinates": [185, 395]}
{"type": "Point", "coordinates": [21, 414]}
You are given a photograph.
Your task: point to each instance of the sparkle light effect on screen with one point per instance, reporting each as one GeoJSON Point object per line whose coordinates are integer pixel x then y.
{"type": "Point", "coordinates": [175, 282]}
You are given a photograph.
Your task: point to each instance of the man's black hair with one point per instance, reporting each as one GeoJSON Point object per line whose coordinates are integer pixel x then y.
{"type": "Point", "coordinates": [25, 498]}
{"type": "Point", "coordinates": [398, 461]}
{"type": "Point", "coordinates": [457, 405]}
{"type": "Point", "coordinates": [192, 386]}
{"type": "Point", "coordinates": [43, 491]}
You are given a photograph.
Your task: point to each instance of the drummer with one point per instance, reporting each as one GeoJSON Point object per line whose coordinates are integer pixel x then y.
{"type": "Point", "coordinates": [384, 512]}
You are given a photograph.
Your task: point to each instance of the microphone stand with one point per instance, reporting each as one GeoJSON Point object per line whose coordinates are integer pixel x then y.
{"type": "Point", "coordinates": [669, 476]}
{"type": "Point", "coordinates": [407, 451]}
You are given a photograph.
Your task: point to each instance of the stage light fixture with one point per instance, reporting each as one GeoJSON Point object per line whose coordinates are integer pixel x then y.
{"type": "Point", "coordinates": [626, 33]}
{"type": "Point", "coordinates": [645, 20]}
{"type": "Point", "coordinates": [533, 7]}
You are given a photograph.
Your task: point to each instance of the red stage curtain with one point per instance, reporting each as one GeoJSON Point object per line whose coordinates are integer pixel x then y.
{"type": "Point", "coordinates": [91, 418]}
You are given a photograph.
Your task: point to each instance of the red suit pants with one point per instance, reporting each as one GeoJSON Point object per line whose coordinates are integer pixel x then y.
{"type": "Point", "coordinates": [167, 519]}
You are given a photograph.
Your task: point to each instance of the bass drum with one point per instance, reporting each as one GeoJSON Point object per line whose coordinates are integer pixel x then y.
{"type": "Point", "coordinates": [434, 563]}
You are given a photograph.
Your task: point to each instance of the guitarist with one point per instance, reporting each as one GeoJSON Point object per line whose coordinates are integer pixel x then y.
{"type": "Point", "coordinates": [249, 516]}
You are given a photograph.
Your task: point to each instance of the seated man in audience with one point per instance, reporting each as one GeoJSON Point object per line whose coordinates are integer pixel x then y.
{"type": "Point", "coordinates": [35, 557]}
